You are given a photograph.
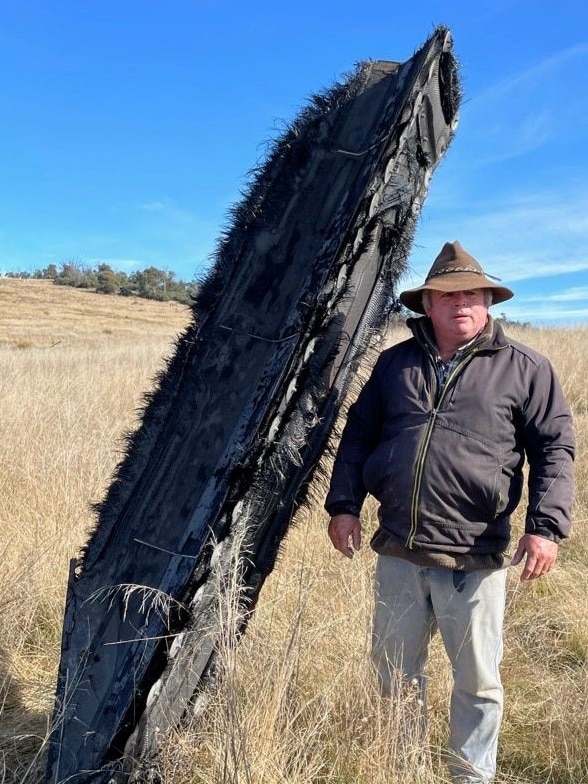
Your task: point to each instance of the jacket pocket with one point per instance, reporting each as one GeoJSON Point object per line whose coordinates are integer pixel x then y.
{"type": "Point", "coordinates": [389, 470]}
{"type": "Point", "coordinates": [463, 477]}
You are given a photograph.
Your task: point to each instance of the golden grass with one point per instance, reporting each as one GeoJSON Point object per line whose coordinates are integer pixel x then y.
{"type": "Point", "coordinates": [39, 314]}
{"type": "Point", "coordinates": [298, 702]}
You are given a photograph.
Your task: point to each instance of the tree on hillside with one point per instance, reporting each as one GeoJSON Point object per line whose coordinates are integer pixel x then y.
{"type": "Point", "coordinates": [74, 273]}
{"type": "Point", "coordinates": [152, 283]}
{"type": "Point", "coordinates": [47, 273]}
{"type": "Point", "coordinates": [108, 281]}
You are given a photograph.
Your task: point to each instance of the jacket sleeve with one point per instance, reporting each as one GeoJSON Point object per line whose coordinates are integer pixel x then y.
{"type": "Point", "coordinates": [549, 445]}
{"type": "Point", "coordinates": [360, 436]}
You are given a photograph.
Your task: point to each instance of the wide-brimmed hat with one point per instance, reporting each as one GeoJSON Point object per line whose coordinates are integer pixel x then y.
{"type": "Point", "coordinates": [454, 270]}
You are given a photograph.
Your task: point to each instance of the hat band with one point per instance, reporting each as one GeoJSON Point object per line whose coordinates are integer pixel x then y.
{"type": "Point", "coordinates": [449, 270]}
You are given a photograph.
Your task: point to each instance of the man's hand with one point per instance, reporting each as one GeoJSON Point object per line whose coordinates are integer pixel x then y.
{"type": "Point", "coordinates": [540, 556]}
{"type": "Point", "coordinates": [344, 528]}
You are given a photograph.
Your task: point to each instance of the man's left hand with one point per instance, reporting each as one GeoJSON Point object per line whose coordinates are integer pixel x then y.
{"type": "Point", "coordinates": [540, 555]}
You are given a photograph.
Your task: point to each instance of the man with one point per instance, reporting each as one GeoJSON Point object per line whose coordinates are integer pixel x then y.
{"type": "Point", "coordinates": [439, 435]}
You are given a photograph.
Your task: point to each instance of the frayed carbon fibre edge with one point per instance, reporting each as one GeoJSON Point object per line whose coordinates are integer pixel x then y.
{"type": "Point", "coordinates": [272, 479]}
{"type": "Point", "coordinates": [250, 516]}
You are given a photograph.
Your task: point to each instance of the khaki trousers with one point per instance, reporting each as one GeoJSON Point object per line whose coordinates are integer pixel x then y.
{"type": "Point", "coordinates": [412, 603]}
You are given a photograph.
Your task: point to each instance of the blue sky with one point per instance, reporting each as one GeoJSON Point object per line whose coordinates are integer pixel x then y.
{"type": "Point", "coordinates": [127, 129]}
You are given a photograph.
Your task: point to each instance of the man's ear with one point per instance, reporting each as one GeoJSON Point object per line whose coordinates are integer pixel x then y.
{"type": "Point", "coordinates": [426, 302]}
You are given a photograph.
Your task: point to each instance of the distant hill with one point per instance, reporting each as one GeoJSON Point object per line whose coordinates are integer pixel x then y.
{"type": "Point", "coordinates": [36, 313]}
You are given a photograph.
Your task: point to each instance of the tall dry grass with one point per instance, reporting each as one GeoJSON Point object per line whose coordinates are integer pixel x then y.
{"type": "Point", "coordinates": [297, 703]}
{"type": "Point", "coordinates": [74, 367]}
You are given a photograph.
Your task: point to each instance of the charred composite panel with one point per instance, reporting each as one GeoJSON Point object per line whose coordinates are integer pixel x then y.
{"type": "Point", "coordinates": [302, 282]}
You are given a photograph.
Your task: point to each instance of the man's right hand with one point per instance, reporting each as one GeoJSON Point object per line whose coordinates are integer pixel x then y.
{"type": "Point", "coordinates": [345, 533]}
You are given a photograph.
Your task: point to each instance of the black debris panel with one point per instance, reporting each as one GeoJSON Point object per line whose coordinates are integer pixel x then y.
{"type": "Point", "coordinates": [302, 284]}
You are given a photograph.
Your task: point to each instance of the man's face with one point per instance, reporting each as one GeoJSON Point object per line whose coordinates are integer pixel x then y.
{"type": "Point", "coordinates": [457, 316]}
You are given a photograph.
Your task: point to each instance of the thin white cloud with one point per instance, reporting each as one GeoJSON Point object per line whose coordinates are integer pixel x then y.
{"type": "Point", "coordinates": [121, 265]}
{"type": "Point", "coordinates": [543, 314]}
{"type": "Point", "coordinates": [169, 216]}
{"type": "Point", "coordinates": [153, 206]}
{"type": "Point", "coordinates": [536, 74]}
{"type": "Point", "coordinates": [517, 237]}
{"type": "Point", "coordinates": [574, 294]}
{"type": "Point", "coordinates": [543, 104]}
{"type": "Point", "coordinates": [532, 263]}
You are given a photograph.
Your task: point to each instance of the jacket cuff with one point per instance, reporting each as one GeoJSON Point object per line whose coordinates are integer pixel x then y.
{"type": "Point", "coordinates": [543, 530]}
{"type": "Point", "coordinates": [342, 507]}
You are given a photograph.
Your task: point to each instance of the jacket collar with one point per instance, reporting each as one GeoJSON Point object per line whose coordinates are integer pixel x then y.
{"type": "Point", "coordinates": [490, 338]}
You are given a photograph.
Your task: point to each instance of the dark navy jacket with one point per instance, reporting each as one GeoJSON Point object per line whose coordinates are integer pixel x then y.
{"type": "Point", "coordinates": [446, 464]}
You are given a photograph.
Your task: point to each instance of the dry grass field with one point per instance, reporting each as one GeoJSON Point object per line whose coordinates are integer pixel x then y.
{"type": "Point", "coordinates": [298, 703]}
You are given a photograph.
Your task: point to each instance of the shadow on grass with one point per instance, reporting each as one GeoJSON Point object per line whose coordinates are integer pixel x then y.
{"type": "Point", "coordinates": [23, 732]}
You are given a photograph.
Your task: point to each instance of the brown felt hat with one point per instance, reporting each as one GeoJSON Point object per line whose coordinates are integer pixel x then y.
{"type": "Point", "coordinates": [454, 270]}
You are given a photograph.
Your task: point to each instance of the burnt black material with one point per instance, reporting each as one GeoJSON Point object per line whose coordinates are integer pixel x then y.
{"type": "Point", "coordinates": [303, 281]}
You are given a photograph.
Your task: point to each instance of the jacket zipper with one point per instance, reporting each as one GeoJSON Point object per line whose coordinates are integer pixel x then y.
{"type": "Point", "coordinates": [422, 454]}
